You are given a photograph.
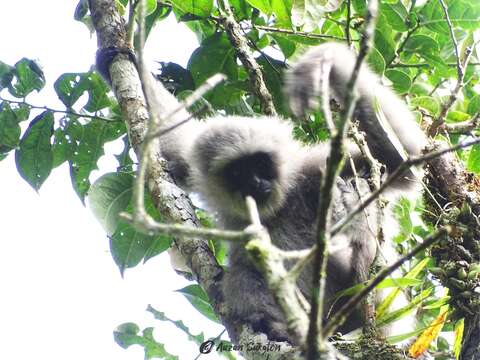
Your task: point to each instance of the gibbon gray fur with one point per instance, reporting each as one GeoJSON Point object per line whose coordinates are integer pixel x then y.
{"type": "Point", "coordinates": [226, 158]}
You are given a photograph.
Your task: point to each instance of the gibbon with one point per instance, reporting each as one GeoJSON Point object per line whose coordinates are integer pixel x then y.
{"type": "Point", "coordinates": [225, 159]}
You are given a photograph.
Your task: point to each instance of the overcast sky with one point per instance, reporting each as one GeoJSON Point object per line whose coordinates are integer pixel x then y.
{"type": "Point", "coordinates": [61, 295]}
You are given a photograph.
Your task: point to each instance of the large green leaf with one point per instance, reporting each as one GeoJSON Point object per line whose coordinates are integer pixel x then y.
{"type": "Point", "coordinates": [421, 44]}
{"type": "Point", "coordinates": [396, 15]}
{"type": "Point", "coordinates": [98, 91]}
{"type": "Point", "coordinates": [215, 55]}
{"type": "Point", "coordinates": [199, 299]}
{"type": "Point", "coordinates": [262, 5]}
{"type": "Point", "coordinates": [9, 128]}
{"type": "Point", "coordinates": [110, 195]}
{"type": "Point", "coordinates": [128, 334]}
{"type": "Point", "coordinates": [400, 80]}
{"type": "Point", "coordinates": [202, 8]}
{"type": "Point", "coordinates": [89, 139]}
{"type": "Point", "coordinates": [34, 156]}
{"type": "Point", "coordinates": [28, 77]}
{"type": "Point", "coordinates": [69, 87]}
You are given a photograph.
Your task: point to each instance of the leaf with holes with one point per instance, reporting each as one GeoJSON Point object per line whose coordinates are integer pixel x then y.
{"type": "Point", "coordinates": [34, 156]}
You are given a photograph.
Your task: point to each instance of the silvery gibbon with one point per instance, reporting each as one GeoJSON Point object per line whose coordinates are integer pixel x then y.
{"type": "Point", "coordinates": [224, 159]}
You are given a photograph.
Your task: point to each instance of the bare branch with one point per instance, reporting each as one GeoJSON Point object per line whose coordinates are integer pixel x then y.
{"type": "Point", "coordinates": [149, 226]}
{"type": "Point", "coordinates": [240, 44]}
{"type": "Point", "coordinates": [300, 33]}
{"type": "Point", "coordinates": [432, 131]}
{"type": "Point", "coordinates": [269, 258]}
{"type": "Point", "coordinates": [315, 344]}
{"type": "Point", "coordinates": [394, 176]}
{"type": "Point", "coordinates": [208, 85]}
{"type": "Point", "coordinates": [464, 126]}
{"type": "Point", "coordinates": [67, 112]}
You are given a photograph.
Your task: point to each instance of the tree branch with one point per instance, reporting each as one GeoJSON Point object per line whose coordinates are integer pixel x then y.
{"type": "Point", "coordinates": [341, 315]}
{"type": "Point", "coordinates": [240, 44]}
{"type": "Point", "coordinates": [316, 343]}
{"type": "Point", "coordinates": [170, 200]}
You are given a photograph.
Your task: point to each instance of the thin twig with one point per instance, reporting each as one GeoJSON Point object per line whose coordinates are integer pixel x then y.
{"type": "Point", "coordinates": [421, 65]}
{"type": "Point", "coordinates": [300, 33]}
{"type": "Point", "coordinates": [153, 227]}
{"type": "Point", "coordinates": [347, 25]}
{"type": "Point", "coordinates": [341, 315]}
{"type": "Point", "coordinates": [400, 48]}
{"type": "Point", "coordinates": [454, 39]}
{"type": "Point", "coordinates": [460, 75]}
{"type": "Point", "coordinates": [395, 176]}
{"type": "Point", "coordinates": [209, 84]}
{"type": "Point", "coordinates": [315, 343]}
{"type": "Point", "coordinates": [67, 112]}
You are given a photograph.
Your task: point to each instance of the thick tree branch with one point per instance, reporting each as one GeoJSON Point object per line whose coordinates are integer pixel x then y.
{"type": "Point", "coordinates": [240, 44]}
{"type": "Point", "coordinates": [170, 200]}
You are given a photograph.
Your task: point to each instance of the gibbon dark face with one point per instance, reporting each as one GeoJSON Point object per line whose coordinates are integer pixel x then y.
{"type": "Point", "coordinates": [252, 175]}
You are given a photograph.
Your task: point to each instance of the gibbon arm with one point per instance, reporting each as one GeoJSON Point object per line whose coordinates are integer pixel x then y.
{"type": "Point", "coordinates": [387, 122]}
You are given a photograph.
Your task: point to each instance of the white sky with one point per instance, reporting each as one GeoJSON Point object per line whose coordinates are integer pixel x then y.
{"type": "Point", "coordinates": [61, 295]}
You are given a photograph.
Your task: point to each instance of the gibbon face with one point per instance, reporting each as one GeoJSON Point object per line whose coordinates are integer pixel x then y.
{"type": "Point", "coordinates": [232, 159]}
{"type": "Point", "coordinates": [254, 174]}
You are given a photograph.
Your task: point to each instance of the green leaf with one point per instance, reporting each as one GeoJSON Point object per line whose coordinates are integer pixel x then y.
{"type": "Point", "coordinates": [427, 103]}
{"type": "Point", "coordinates": [127, 335]}
{"type": "Point", "coordinates": [403, 311]}
{"type": "Point", "coordinates": [473, 162]}
{"type": "Point", "coordinates": [262, 5]}
{"type": "Point", "coordinates": [110, 195]}
{"type": "Point", "coordinates": [34, 157]}
{"type": "Point", "coordinates": [81, 10]}
{"type": "Point", "coordinates": [396, 15]}
{"type": "Point", "coordinates": [179, 324]}
{"type": "Point", "coordinates": [387, 283]}
{"type": "Point", "coordinates": [199, 299]}
{"type": "Point", "coordinates": [360, 6]}
{"type": "Point", "coordinates": [124, 160]}
{"type": "Point", "coordinates": [457, 343]}
{"type": "Point", "coordinates": [215, 55]}
{"type": "Point", "coordinates": [474, 105]}
{"type": "Point", "coordinates": [98, 92]}
{"type": "Point", "coordinates": [421, 44]}
{"type": "Point", "coordinates": [90, 139]}
{"type": "Point", "coordinates": [388, 301]}
{"type": "Point", "coordinates": [287, 46]}
{"type": "Point", "coordinates": [403, 210]}
{"type": "Point", "coordinates": [202, 8]}
{"type": "Point", "coordinates": [129, 247]}
{"type": "Point", "coordinates": [376, 61]}
{"type": "Point", "coordinates": [9, 128]}
{"type": "Point", "coordinates": [457, 116]}
{"type": "Point", "coordinates": [28, 76]}
{"type": "Point", "coordinates": [384, 42]}
{"type": "Point", "coordinates": [62, 147]}
{"type": "Point", "coordinates": [151, 7]}
{"type": "Point", "coordinates": [400, 80]}
{"type": "Point", "coordinates": [6, 75]}
{"type": "Point", "coordinates": [282, 10]}
{"type": "Point", "coordinates": [69, 87]}
{"type": "Point", "coordinates": [272, 74]}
